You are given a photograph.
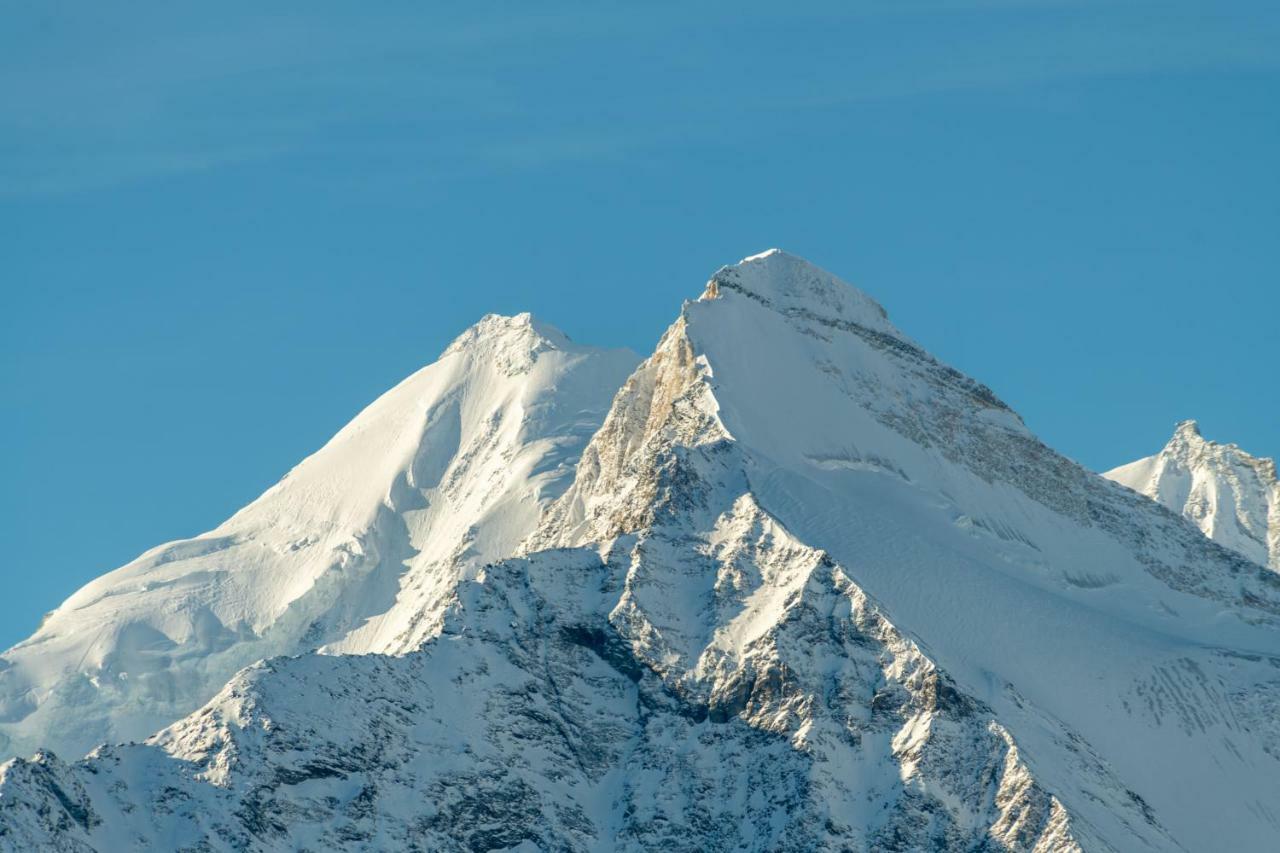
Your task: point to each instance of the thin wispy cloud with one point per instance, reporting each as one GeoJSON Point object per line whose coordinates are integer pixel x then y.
{"type": "Point", "coordinates": [494, 92]}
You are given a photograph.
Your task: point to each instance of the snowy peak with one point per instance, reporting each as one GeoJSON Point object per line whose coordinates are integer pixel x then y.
{"type": "Point", "coordinates": [782, 413]}
{"type": "Point", "coordinates": [1186, 431]}
{"type": "Point", "coordinates": [792, 285]}
{"type": "Point", "coordinates": [491, 379]}
{"type": "Point", "coordinates": [814, 404]}
{"type": "Point", "coordinates": [1232, 496]}
{"type": "Point", "coordinates": [522, 336]}
{"type": "Point", "coordinates": [357, 549]}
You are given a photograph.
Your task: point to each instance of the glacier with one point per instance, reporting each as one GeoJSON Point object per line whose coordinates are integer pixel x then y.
{"type": "Point", "coordinates": [798, 586]}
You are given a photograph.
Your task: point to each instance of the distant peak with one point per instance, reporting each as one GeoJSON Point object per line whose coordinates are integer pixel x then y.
{"type": "Point", "coordinates": [1192, 448]}
{"type": "Point", "coordinates": [794, 286]}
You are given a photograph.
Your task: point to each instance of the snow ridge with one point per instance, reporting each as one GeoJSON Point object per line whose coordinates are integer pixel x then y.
{"type": "Point", "coordinates": [357, 549]}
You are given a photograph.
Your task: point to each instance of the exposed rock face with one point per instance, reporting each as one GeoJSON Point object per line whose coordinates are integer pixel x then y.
{"type": "Point", "coordinates": [533, 720]}
{"type": "Point", "coordinates": [810, 589]}
{"type": "Point", "coordinates": [1231, 496]}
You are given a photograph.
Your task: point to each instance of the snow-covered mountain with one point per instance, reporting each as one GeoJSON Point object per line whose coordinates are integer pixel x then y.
{"type": "Point", "coordinates": [809, 589]}
{"type": "Point", "coordinates": [357, 549]}
{"type": "Point", "coordinates": [1232, 496]}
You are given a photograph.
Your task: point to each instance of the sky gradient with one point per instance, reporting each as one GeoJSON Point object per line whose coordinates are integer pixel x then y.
{"type": "Point", "coordinates": [225, 230]}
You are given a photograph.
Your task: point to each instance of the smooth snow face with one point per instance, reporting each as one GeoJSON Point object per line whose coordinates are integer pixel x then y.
{"type": "Point", "coordinates": [1231, 496]}
{"type": "Point", "coordinates": [358, 549]}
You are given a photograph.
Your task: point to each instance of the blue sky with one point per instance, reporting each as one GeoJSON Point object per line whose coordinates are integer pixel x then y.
{"type": "Point", "coordinates": [225, 229]}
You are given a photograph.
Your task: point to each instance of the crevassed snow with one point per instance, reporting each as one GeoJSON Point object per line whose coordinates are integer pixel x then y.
{"type": "Point", "coordinates": [1231, 496]}
{"type": "Point", "coordinates": [357, 549]}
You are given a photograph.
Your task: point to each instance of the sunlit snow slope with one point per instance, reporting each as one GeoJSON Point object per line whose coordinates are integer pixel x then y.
{"type": "Point", "coordinates": [1232, 496]}
{"type": "Point", "coordinates": [356, 549]}
{"type": "Point", "coordinates": [810, 589]}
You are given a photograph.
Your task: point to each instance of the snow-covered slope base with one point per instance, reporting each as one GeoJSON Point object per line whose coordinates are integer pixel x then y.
{"type": "Point", "coordinates": [357, 549]}
{"type": "Point", "coordinates": [810, 589]}
{"type": "Point", "coordinates": [529, 722]}
{"type": "Point", "coordinates": [1232, 496]}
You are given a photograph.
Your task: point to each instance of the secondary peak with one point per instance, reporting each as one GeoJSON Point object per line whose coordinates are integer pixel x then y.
{"type": "Point", "coordinates": [522, 329]}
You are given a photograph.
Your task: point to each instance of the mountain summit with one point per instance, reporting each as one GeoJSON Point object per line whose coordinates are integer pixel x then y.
{"type": "Point", "coordinates": [792, 284]}
{"type": "Point", "coordinates": [1231, 496]}
{"type": "Point", "coordinates": [807, 588]}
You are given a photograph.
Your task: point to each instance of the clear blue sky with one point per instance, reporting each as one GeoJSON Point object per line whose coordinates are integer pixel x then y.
{"type": "Point", "coordinates": [225, 228]}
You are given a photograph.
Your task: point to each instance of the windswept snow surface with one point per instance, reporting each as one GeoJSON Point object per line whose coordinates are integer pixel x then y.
{"type": "Point", "coordinates": [357, 549]}
{"type": "Point", "coordinates": [810, 589]}
{"type": "Point", "coordinates": [1232, 496]}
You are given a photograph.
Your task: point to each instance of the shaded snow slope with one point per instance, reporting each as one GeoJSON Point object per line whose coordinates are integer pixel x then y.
{"type": "Point", "coordinates": [810, 589]}
{"type": "Point", "coordinates": [1231, 496]}
{"type": "Point", "coordinates": [358, 548]}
